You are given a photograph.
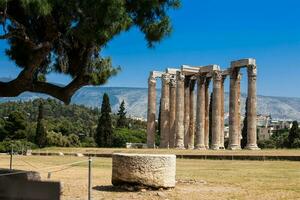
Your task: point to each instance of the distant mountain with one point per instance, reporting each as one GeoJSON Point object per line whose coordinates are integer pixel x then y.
{"type": "Point", "coordinates": [136, 101]}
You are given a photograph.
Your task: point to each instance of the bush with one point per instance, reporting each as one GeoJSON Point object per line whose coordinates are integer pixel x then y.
{"type": "Point", "coordinates": [123, 135]}
{"type": "Point", "coordinates": [266, 144]}
{"type": "Point", "coordinates": [59, 140]}
{"type": "Point", "coordinates": [296, 143]}
{"type": "Point", "coordinates": [18, 146]}
{"type": "Point", "coordinates": [88, 142]}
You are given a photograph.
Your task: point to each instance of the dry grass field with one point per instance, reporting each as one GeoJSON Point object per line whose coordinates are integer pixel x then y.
{"type": "Point", "coordinates": [196, 179]}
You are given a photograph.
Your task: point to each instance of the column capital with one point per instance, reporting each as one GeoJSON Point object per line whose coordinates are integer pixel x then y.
{"type": "Point", "coordinates": [173, 82]}
{"type": "Point", "coordinates": [217, 75]}
{"type": "Point", "coordinates": [252, 71]}
{"type": "Point", "coordinates": [180, 76]}
{"type": "Point", "coordinates": [165, 78]}
{"type": "Point", "coordinates": [151, 80]}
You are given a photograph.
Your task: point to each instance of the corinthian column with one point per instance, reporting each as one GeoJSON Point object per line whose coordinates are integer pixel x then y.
{"type": "Point", "coordinates": [164, 115]}
{"type": "Point", "coordinates": [172, 112]}
{"type": "Point", "coordinates": [179, 123]}
{"type": "Point", "coordinates": [200, 114]}
{"type": "Point", "coordinates": [192, 114]}
{"type": "Point", "coordinates": [151, 112]}
{"type": "Point", "coordinates": [207, 104]}
{"type": "Point", "coordinates": [222, 114]}
{"type": "Point", "coordinates": [234, 137]}
{"type": "Point", "coordinates": [216, 110]}
{"type": "Point", "coordinates": [251, 112]}
{"type": "Point", "coordinates": [239, 130]}
{"type": "Point", "coordinates": [186, 110]}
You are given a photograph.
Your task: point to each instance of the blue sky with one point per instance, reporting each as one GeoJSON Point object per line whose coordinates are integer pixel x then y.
{"type": "Point", "coordinates": [212, 32]}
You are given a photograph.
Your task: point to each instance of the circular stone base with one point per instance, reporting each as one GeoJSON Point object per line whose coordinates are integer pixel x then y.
{"type": "Point", "coordinates": [153, 170]}
{"type": "Point", "coordinates": [20, 175]}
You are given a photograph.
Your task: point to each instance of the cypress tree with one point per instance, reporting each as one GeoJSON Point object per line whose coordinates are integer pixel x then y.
{"type": "Point", "coordinates": [122, 121]}
{"type": "Point", "coordinates": [104, 129]}
{"type": "Point", "coordinates": [40, 136]}
{"type": "Point", "coordinates": [244, 129]}
{"type": "Point", "coordinates": [293, 134]}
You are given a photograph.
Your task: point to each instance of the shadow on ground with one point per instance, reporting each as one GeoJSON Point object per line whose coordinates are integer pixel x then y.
{"type": "Point", "coordinates": [110, 188]}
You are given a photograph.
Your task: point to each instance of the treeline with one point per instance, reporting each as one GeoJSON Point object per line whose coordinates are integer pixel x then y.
{"type": "Point", "coordinates": [44, 123]}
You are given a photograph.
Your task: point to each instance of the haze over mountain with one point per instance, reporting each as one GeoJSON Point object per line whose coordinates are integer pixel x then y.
{"type": "Point", "coordinates": [285, 108]}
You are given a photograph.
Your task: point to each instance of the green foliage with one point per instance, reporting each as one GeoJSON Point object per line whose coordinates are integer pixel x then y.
{"type": "Point", "coordinates": [266, 144]}
{"type": "Point", "coordinates": [40, 136]}
{"type": "Point", "coordinates": [88, 142]}
{"type": "Point", "coordinates": [15, 126]}
{"type": "Point", "coordinates": [104, 130]}
{"type": "Point", "coordinates": [123, 135]}
{"type": "Point", "coordinates": [294, 134]}
{"type": "Point", "coordinates": [17, 145]}
{"type": "Point", "coordinates": [67, 36]}
{"type": "Point", "coordinates": [122, 121]}
{"type": "Point", "coordinates": [65, 125]}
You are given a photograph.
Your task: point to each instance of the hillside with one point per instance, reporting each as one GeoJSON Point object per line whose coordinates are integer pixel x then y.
{"type": "Point", "coordinates": [136, 101]}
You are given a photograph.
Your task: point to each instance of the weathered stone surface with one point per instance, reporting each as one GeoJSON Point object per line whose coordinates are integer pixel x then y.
{"type": "Point", "coordinates": [152, 170]}
{"type": "Point", "coordinates": [19, 175]}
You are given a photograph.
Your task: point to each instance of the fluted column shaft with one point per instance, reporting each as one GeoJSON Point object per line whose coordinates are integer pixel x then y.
{"type": "Point", "coordinates": [222, 114]}
{"type": "Point", "coordinates": [207, 104]}
{"type": "Point", "coordinates": [239, 130]}
{"type": "Point", "coordinates": [233, 111]}
{"type": "Point", "coordinates": [251, 113]}
{"type": "Point", "coordinates": [186, 110]}
{"type": "Point", "coordinates": [172, 112]}
{"type": "Point", "coordinates": [200, 114]}
{"type": "Point", "coordinates": [165, 113]}
{"type": "Point", "coordinates": [151, 112]}
{"type": "Point", "coordinates": [179, 111]}
{"type": "Point", "coordinates": [191, 132]}
{"type": "Point", "coordinates": [216, 110]}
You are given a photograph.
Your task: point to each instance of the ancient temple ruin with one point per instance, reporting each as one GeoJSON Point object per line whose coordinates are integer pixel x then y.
{"type": "Point", "coordinates": [179, 126]}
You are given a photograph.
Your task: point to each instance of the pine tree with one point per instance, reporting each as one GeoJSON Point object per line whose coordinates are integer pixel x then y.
{"type": "Point", "coordinates": [244, 130]}
{"type": "Point", "coordinates": [40, 136]}
{"type": "Point", "coordinates": [122, 121]}
{"type": "Point", "coordinates": [293, 134]}
{"type": "Point", "coordinates": [210, 118]}
{"type": "Point", "coordinates": [104, 129]}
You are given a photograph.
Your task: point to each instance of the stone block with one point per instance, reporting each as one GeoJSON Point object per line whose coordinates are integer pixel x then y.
{"type": "Point", "coordinates": [152, 170]}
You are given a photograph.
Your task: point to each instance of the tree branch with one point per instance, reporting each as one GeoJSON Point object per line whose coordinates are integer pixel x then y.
{"type": "Point", "coordinates": [22, 84]}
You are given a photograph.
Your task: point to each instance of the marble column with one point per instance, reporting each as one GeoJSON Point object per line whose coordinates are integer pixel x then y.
{"type": "Point", "coordinates": [233, 111]}
{"type": "Point", "coordinates": [165, 112]}
{"type": "Point", "coordinates": [207, 104]}
{"type": "Point", "coordinates": [179, 123]}
{"type": "Point", "coordinates": [200, 114]}
{"type": "Point", "coordinates": [239, 129]}
{"type": "Point", "coordinates": [191, 132]}
{"type": "Point", "coordinates": [151, 112]}
{"type": "Point", "coordinates": [186, 110]}
{"type": "Point", "coordinates": [216, 110]}
{"type": "Point", "coordinates": [251, 113]}
{"type": "Point", "coordinates": [172, 112]}
{"type": "Point", "coordinates": [222, 113]}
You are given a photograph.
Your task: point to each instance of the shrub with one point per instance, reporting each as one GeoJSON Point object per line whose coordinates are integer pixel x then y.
{"type": "Point", "coordinates": [88, 142]}
{"type": "Point", "coordinates": [17, 145]}
{"type": "Point", "coordinates": [266, 144]}
{"type": "Point", "coordinates": [123, 135]}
